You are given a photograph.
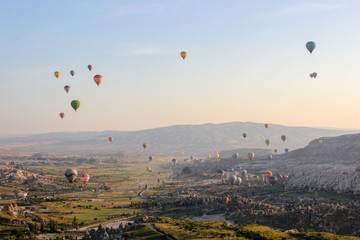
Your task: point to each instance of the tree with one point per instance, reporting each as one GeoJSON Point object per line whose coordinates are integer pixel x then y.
{"type": "Point", "coordinates": [75, 223]}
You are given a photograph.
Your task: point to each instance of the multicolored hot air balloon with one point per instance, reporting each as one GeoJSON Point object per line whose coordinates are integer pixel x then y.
{"type": "Point", "coordinates": [266, 125]}
{"type": "Point", "coordinates": [267, 141]}
{"type": "Point", "coordinates": [251, 155]}
{"type": "Point", "coordinates": [144, 145]}
{"type": "Point", "coordinates": [90, 67]}
{"type": "Point", "coordinates": [310, 46]}
{"type": "Point", "coordinates": [84, 178]}
{"type": "Point", "coordinates": [283, 137]}
{"type": "Point", "coordinates": [67, 88]}
{"type": "Point", "coordinates": [220, 173]}
{"type": "Point", "coordinates": [70, 175]}
{"type": "Point", "coordinates": [272, 180]}
{"type": "Point", "coordinates": [72, 72]}
{"type": "Point", "coordinates": [98, 79]}
{"type": "Point", "coordinates": [244, 135]}
{"type": "Point", "coordinates": [75, 104]}
{"type": "Point", "coordinates": [235, 156]}
{"type": "Point", "coordinates": [62, 115]}
{"type": "Point", "coordinates": [268, 174]}
{"type": "Point", "coordinates": [57, 74]}
{"type": "Point", "coordinates": [238, 181]}
{"type": "Point", "coordinates": [232, 179]}
{"type": "Point", "coordinates": [173, 161]}
{"type": "Point", "coordinates": [111, 139]}
{"type": "Point", "coordinates": [183, 54]}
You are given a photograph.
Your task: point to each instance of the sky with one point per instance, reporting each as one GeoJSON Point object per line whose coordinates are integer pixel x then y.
{"type": "Point", "coordinates": [246, 61]}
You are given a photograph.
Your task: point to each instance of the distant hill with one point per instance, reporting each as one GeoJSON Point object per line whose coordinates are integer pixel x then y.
{"type": "Point", "coordinates": [179, 139]}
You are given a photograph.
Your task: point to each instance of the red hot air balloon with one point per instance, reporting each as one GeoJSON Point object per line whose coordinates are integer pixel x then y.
{"type": "Point", "coordinates": [85, 178]}
{"type": "Point", "coordinates": [62, 115]}
{"type": "Point", "coordinates": [111, 139]}
{"type": "Point", "coordinates": [98, 79]}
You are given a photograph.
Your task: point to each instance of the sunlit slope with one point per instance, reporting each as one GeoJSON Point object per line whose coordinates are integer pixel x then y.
{"type": "Point", "coordinates": [174, 139]}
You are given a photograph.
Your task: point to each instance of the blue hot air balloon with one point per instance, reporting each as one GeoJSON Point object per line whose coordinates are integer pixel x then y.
{"type": "Point", "coordinates": [310, 46]}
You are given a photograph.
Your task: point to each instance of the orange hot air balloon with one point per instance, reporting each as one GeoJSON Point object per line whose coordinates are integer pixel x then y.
{"type": "Point", "coordinates": [268, 174]}
{"type": "Point", "coordinates": [98, 79]}
{"type": "Point", "coordinates": [111, 139]}
{"type": "Point", "coordinates": [144, 145]}
{"type": "Point", "coordinates": [85, 178]}
{"type": "Point", "coordinates": [266, 125]}
{"type": "Point", "coordinates": [62, 115]}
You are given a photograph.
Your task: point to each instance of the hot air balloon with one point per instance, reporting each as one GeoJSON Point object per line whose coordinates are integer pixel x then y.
{"type": "Point", "coordinates": [183, 54]}
{"type": "Point", "coordinates": [90, 67]}
{"type": "Point", "coordinates": [251, 155]}
{"type": "Point", "coordinates": [286, 177]}
{"type": "Point", "coordinates": [75, 104]}
{"type": "Point", "coordinates": [72, 72]}
{"type": "Point", "coordinates": [208, 156]}
{"type": "Point", "coordinates": [238, 181]}
{"type": "Point", "coordinates": [235, 156]}
{"type": "Point", "coordinates": [98, 79]}
{"type": "Point", "coordinates": [286, 150]}
{"type": "Point", "coordinates": [71, 174]}
{"type": "Point", "coordinates": [62, 115]}
{"type": "Point", "coordinates": [148, 169]}
{"type": "Point", "coordinates": [310, 46]}
{"type": "Point", "coordinates": [67, 88]}
{"type": "Point", "coordinates": [191, 157]}
{"type": "Point", "coordinates": [267, 141]}
{"type": "Point", "coordinates": [266, 125]}
{"type": "Point", "coordinates": [268, 174]}
{"type": "Point", "coordinates": [243, 172]}
{"type": "Point", "coordinates": [111, 139]}
{"type": "Point", "coordinates": [272, 180]}
{"type": "Point", "coordinates": [57, 74]}
{"type": "Point", "coordinates": [216, 156]}
{"type": "Point", "coordinates": [144, 145]}
{"type": "Point", "coordinates": [232, 179]}
{"type": "Point", "coordinates": [320, 141]}
{"type": "Point", "coordinates": [255, 177]}
{"type": "Point", "coordinates": [270, 157]}
{"type": "Point", "coordinates": [275, 150]}
{"type": "Point", "coordinates": [244, 135]}
{"type": "Point", "coordinates": [311, 75]}
{"type": "Point", "coordinates": [220, 173]}
{"type": "Point", "coordinates": [314, 74]}
{"type": "Point", "coordinates": [186, 159]}
{"type": "Point", "coordinates": [283, 137]}
{"type": "Point", "coordinates": [174, 161]}
{"type": "Point", "coordinates": [150, 158]}
{"type": "Point", "coordinates": [84, 178]}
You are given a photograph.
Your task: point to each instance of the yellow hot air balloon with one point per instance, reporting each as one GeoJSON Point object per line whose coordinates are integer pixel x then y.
{"type": "Point", "coordinates": [208, 156]}
{"type": "Point", "coordinates": [183, 54]}
{"type": "Point", "coordinates": [216, 155]}
{"type": "Point", "coordinates": [57, 74]}
{"type": "Point", "coordinates": [148, 169]}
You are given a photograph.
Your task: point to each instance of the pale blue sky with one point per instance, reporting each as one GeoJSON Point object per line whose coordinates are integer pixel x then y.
{"type": "Point", "coordinates": [247, 62]}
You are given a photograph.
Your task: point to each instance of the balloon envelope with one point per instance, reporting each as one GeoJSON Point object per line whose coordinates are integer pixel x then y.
{"type": "Point", "coordinates": [286, 150]}
{"type": "Point", "coordinates": [72, 72]}
{"type": "Point", "coordinates": [75, 104]}
{"type": "Point", "coordinates": [244, 135]}
{"type": "Point", "coordinates": [67, 88]}
{"type": "Point", "coordinates": [251, 155]}
{"type": "Point", "coordinates": [272, 180]}
{"type": "Point", "coordinates": [235, 156]}
{"type": "Point", "coordinates": [57, 74]}
{"type": "Point", "coordinates": [90, 67]}
{"type": "Point", "coordinates": [62, 115]}
{"type": "Point", "coordinates": [173, 161]}
{"type": "Point", "coordinates": [111, 139]}
{"type": "Point", "coordinates": [84, 178]}
{"type": "Point", "coordinates": [183, 54]}
{"type": "Point", "coordinates": [98, 79]}
{"type": "Point", "coordinates": [266, 125]}
{"type": "Point", "coordinates": [144, 145]}
{"type": "Point", "coordinates": [283, 137]}
{"type": "Point", "coordinates": [267, 141]}
{"type": "Point", "coordinates": [150, 158]}
{"type": "Point", "coordinates": [310, 46]}
{"type": "Point", "coordinates": [71, 174]}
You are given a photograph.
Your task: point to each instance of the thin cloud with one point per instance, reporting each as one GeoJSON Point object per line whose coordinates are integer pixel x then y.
{"type": "Point", "coordinates": [305, 8]}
